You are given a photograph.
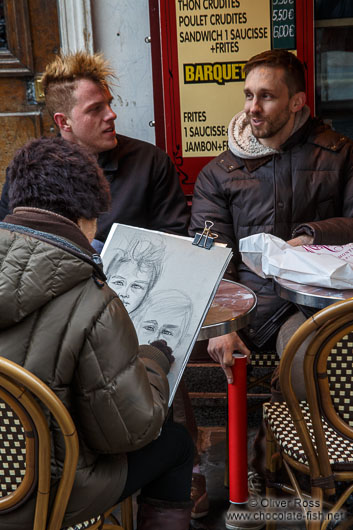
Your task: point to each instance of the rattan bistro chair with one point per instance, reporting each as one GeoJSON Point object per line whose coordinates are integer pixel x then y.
{"type": "Point", "coordinates": [267, 362]}
{"type": "Point", "coordinates": [315, 437]}
{"type": "Point", "coordinates": [25, 448]}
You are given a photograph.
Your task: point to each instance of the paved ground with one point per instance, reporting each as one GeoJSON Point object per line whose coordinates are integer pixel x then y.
{"type": "Point", "coordinates": [211, 416]}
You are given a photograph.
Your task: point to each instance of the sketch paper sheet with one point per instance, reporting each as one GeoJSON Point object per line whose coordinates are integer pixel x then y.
{"type": "Point", "coordinates": [166, 284]}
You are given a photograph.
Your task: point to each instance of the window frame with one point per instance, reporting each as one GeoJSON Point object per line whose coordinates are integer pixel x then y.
{"type": "Point", "coordinates": [17, 58]}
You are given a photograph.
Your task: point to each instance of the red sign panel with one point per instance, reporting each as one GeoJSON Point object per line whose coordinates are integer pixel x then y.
{"type": "Point", "coordinates": [199, 48]}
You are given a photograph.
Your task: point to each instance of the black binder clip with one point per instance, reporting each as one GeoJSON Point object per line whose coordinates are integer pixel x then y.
{"type": "Point", "coordinates": [206, 239]}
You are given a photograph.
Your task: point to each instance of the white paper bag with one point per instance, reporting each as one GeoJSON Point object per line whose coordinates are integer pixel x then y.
{"type": "Point", "coordinates": [320, 265]}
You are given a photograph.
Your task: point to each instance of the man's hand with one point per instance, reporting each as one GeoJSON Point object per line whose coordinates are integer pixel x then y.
{"type": "Point", "coordinates": [221, 350]}
{"type": "Point", "coordinates": [303, 239]}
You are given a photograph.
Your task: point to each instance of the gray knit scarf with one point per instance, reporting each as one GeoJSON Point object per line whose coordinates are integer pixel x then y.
{"type": "Point", "coordinates": [243, 143]}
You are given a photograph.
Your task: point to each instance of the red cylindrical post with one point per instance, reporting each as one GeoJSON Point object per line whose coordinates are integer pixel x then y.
{"type": "Point", "coordinates": [237, 432]}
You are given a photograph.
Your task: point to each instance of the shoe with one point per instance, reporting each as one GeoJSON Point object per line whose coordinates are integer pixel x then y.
{"type": "Point", "coordinates": [199, 496]}
{"type": "Point", "coordinates": [239, 516]}
{"type": "Point", "coordinates": [256, 483]}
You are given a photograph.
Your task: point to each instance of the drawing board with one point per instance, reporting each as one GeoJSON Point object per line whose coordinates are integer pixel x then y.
{"type": "Point", "coordinates": [166, 284]}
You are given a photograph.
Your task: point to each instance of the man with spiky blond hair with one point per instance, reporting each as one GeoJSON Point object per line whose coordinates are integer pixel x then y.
{"type": "Point", "coordinates": [144, 185]}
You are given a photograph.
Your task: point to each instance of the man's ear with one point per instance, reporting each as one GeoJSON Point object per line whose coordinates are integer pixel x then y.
{"type": "Point", "coordinates": [298, 101]}
{"type": "Point", "coordinates": [62, 121]}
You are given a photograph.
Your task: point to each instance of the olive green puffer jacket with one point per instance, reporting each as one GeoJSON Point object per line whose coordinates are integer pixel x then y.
{"type": "Point", "coordinates": [64, 324]}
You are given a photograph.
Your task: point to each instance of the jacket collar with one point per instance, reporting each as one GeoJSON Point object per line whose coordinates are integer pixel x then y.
{"type": "Point", "coordinates": [229, 162]}
{"type": "Point", "coordinates": [109, 160]}
{"type": "Point", "coordinates": [56, 230]}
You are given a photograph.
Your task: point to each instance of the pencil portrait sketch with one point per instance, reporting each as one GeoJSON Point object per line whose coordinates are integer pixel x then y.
{"type": "Point", "coordinates": [166, 285]}
{"type": "Point", "coordinates": [134, 270]}
{"type": "Point", "coordinates": [167, 316]}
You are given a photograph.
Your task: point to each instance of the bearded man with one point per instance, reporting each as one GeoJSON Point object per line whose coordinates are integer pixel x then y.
{"type": "Point", "coordinates": [285, 173]}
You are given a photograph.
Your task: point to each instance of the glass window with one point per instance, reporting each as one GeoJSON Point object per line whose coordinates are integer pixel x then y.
{"type": "Point", "coordinates": [334, 63]}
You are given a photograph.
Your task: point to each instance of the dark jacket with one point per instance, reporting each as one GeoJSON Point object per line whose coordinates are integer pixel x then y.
{"type": "Point", "coordinates": [145, 189]}
{"type": "Point", "coordinates": [144, 186]}
{"type": "Point", "coordinates": [307, 186]}
{"type": "Point", "coordinates": [60, 320]}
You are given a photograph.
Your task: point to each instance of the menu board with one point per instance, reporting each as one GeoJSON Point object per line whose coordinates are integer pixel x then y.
{"type": "Point", "coordinates": [283, 24]}
{"type": "Point", "coordinates": [215, 39]}
{"type": "Point", "coordinates": [204, 47]}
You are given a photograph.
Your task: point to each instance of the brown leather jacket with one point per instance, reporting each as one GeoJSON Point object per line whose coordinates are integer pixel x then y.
{"type": "Point", "coordinates": [307, 186]}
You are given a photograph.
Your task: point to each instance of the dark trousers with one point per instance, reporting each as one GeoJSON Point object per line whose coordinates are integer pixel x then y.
{"type": "Point", "coordinates": [163, 468]}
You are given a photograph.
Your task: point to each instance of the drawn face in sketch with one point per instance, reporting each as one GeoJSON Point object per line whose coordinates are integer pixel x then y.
{"type": "Point", "coordinates": [131, 284]}
{"type": "Point", "coordinates": [158, 327]}
{"type": "Point", "coordinates": [167, 317]}
{"type": "Point", "coordinates": [134, 271]}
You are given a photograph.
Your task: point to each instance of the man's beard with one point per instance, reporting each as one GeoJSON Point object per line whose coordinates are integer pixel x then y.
{"type": "Point", "coordinates": [269, 128]}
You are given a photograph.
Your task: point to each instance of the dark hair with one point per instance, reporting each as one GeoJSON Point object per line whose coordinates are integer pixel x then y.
{"type": "Point", "coordinates": [59, 176]}
{"type": "Point", "coordinates": [294, 71]}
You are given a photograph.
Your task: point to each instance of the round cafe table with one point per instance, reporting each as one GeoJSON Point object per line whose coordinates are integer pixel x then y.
{"type": "Point", "coordinates": [231, 309]}
{"type": "Point", "coordinates": [309, 295]}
